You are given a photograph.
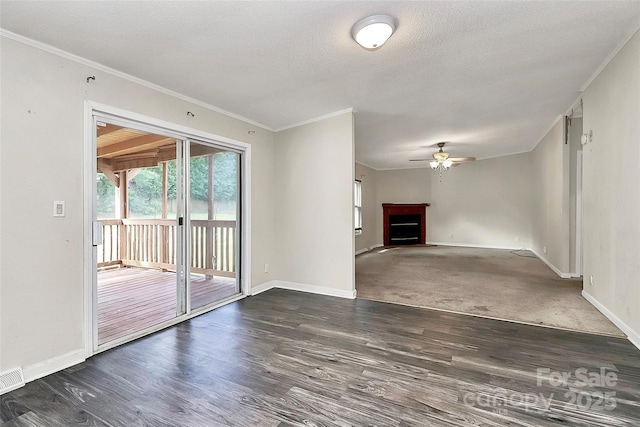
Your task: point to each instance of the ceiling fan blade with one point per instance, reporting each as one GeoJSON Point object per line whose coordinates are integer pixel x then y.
{"type": "Point", "coordinates": [455, 164]}
{"type": "Point", "coordinates": [462, 159]}
{"type": "Point", "coordinates": [419, 160]}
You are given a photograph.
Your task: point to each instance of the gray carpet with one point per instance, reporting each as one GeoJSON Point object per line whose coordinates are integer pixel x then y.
{"type": "Point", "coordinates": [488, 282]}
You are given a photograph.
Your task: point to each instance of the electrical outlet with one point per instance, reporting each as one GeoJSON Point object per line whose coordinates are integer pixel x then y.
{"type": "Point", "coordinates": [545, 250]}
{"type": "Point", "coordinates": [591, 279]}
{"type": "Point", "coordinates": [517, 238]}
{"type": "Point", "coordinates": [266, 267]}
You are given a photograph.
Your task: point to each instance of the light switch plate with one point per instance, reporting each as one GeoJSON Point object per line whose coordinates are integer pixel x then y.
{"type": "Point", "coordinates": [58, 208]}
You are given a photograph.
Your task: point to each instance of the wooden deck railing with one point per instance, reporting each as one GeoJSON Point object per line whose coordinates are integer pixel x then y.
{"type": "Point", "coordinates": [151, 243]}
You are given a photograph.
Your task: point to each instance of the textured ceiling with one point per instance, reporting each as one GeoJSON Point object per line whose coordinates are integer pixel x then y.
{"type": "Point", "coordinates": [490, 77]}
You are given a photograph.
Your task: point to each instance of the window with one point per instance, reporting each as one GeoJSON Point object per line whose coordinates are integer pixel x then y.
{"type": "Point", "coordinates": [357, 206]}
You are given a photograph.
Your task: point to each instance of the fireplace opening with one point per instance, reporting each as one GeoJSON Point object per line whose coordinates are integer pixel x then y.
{"type": "Point", "coordinates": [404, 224]}
{"type": "Point", "coordinates": [404, 229]}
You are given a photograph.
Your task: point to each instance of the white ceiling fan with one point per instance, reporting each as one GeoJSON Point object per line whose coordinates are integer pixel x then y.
{"type": "Point", "coordinates": [442, 160]}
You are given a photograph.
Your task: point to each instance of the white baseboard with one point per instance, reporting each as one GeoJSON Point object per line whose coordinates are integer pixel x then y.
{"type": "Point", "coordinates": [55, 364]}
{"type": "Point", "coordinates": [370, 248]}
{"type": "Point", "coordinates": [551, 266]}
{"type": "Point", "coordinates": [312, 289]}
{"type": "Point", "coordinates": [632, 335]}
{"type": "Point", "coordinates": [255, 290]}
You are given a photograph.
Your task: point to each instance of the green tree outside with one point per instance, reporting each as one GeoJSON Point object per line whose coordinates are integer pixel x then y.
{"type": "Point", "coordinates": [145, 189]}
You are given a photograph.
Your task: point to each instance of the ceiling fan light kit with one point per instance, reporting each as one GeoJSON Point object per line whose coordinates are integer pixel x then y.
{"type": "Point", "coordinates": [441, 160]}
{"type": "Point", "coordinates": [446, 164]}
{"type": "Point", "coordinates": [373, 31]}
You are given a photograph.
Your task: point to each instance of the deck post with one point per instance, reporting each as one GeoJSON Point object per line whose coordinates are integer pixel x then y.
{"type": "Point", "coordinates": [210, 249]}
{"type": "Point", "coordinates": [162, 229]}
{"type": "Point", "coordinates": [165, 189]}
{"type": "Point", "coordinates": [122, 214]}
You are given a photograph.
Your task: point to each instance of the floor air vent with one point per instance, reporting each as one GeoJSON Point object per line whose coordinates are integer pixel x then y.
{"type": "Point", "coordinates": [11, 380]}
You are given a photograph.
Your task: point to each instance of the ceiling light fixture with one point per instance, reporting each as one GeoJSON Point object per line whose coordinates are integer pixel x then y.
{"type": "Point", "coordinates": [441, 160]}
{"type": "Point", "coordinates": [372, 32]}
{"type": "Point", "coordinates": [442, 165]}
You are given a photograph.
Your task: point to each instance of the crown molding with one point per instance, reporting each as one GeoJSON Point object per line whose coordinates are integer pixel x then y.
{"type": "Point", "coordinates": [80, 60]}
{"type": "Point", "coordinates": [317, 119]}
{"type": "Point", "coordinates": [365, 165]}
{"type": "Point", "coordinates": [611, 56]}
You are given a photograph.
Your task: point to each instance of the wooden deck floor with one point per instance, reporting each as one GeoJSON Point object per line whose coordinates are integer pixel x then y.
{"type": "Point", "coordinates": [131, 299]}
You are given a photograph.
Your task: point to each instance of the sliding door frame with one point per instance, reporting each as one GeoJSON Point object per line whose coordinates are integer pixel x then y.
{"type": "Point", "coordinates": [95, 112]}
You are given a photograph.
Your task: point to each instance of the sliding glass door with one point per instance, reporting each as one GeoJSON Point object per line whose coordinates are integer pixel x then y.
{"type": "Point", "coordinates": [166, 229]}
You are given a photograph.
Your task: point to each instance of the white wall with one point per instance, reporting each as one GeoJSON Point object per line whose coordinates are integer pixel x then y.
{"type": "Point", "coordinates": [484, 203]}
{"type": "Point", "coordinates": [314, 199]}
{"type": "Point", "coordinates": [550, 183]}
{"type": "Point", "coordinates": [402, 186]}
{"type": "Point", "coordinates": [41, 268]}
{"type": "Point", "coordinates": [368, 178]}
{"type": "Point", "coordinates": [611, 195]}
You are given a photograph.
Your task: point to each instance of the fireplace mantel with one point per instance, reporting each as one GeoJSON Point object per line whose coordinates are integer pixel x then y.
{"type": "Point", "coordinates": [413, 232]}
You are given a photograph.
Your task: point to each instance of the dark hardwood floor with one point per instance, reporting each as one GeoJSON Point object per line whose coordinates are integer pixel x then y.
{"type": "Point", "coordinates": [284, 358]}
